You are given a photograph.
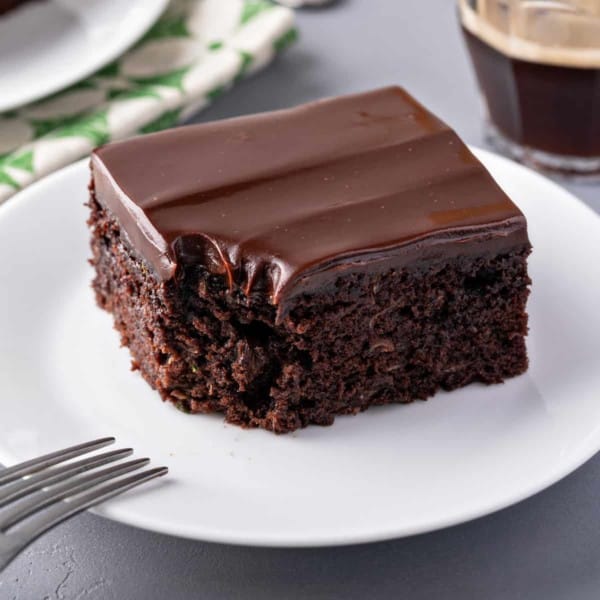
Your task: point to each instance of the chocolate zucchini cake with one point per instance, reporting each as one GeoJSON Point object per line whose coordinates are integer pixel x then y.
{"type": "Point", "coordinates": [288, 267]}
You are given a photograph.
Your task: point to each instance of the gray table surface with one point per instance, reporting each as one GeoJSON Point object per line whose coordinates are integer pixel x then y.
{"type": "Point", "coordinates": [547, 547]}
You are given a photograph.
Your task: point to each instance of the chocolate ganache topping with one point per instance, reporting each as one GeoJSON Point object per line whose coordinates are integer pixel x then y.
{"type": "Point", "coordinates": [284, 202]}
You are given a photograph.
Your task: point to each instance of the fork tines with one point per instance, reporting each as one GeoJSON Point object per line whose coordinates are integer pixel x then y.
{"type": "Point", "coordinates": [40, 493]}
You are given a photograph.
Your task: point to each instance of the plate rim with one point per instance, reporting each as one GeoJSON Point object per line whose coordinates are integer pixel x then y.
{"type": "Point", "coordinates": [150, 15]}
{"type": "Point", "coordinates": [356, 536]}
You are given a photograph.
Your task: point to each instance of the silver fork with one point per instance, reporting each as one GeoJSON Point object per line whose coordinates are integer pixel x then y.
{"type": "Point", "coordinates": [36, 495]}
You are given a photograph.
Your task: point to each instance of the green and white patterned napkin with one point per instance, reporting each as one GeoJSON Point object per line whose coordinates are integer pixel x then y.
{"type": "Point", "coordinates": [195, 52]}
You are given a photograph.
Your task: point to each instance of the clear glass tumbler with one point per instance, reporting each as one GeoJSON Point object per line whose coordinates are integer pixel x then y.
{"type": "Point", "coordinates": [538, 67]}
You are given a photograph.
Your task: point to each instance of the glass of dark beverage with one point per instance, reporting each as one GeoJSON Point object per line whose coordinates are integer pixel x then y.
{"type": "Point", "coordinates": [538, 67]}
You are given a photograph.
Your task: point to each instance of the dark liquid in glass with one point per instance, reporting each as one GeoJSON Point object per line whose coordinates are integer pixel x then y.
{"type": "Point", "coordinates": [550, 108]}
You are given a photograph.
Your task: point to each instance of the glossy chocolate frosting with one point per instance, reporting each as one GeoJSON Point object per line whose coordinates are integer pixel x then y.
{"type": "Point", "coordinates": [283, 202]}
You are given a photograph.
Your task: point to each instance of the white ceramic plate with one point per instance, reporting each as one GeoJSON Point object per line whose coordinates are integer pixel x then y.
{"type": "Point", "coordinates": [390, 472]}
{"type": "Point", "coordinates": [48, 45]}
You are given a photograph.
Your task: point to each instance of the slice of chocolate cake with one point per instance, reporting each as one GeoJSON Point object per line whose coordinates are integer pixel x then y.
{"type": "Point", "coordinates": [288, 267]}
